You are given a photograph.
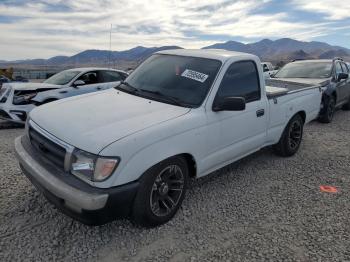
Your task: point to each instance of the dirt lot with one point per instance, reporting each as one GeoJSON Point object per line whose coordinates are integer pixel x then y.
{"type": "Point", "coordinates": [261, 208]}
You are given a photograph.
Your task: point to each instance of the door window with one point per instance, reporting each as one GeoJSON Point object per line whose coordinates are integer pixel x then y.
{"type": "Point", "coordinates": [89, 78]}
{"type": "Point", "coordinates": [345, 68]}
{"type": "Point", "coordinates": [265, 68]}
{"type": "Point", "coordinates": [338, 69]}
{"type": "Point", "coordinates": [241, 80]}
{"type": "Point", "coordinates": [111, 76]}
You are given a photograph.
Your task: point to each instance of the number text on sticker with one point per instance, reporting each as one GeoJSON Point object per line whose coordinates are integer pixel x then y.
{"type": "Point", "coordinates": [200, 77]}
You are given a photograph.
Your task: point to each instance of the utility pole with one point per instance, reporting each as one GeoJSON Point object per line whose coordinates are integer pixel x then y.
{"type": "Point", "coordinates": [110, 47]}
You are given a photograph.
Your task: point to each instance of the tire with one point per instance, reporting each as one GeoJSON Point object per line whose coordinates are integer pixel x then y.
{"type": "Point", "coordinates": [347, 105]}
{"type": "Point", "coordinates": [162, 190]}
{"type": "Point", "coordinates": [328, 115]}
{"type": "Point", "coordinates": [291, 138]}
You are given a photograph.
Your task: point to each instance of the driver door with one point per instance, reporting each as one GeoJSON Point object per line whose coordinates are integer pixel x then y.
{"type": "Point", "coordinates": [92, 84]}
{"type": "Point", "coordinates": [232, 134]}
{"type": "Point", "coordinates": [110, 78]}
{"type": "Point", "coordinates": [341, 84]}
{"type": "Point", "coordinates": [346, 70]}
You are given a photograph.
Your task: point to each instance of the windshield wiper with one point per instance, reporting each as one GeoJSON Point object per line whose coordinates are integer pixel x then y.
{"type": "Point", "coordinates": [160, 94]}
{"type": "Point", "coordinates": [133, 89]}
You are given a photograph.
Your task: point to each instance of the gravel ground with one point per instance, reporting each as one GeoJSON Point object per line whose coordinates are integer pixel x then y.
{"type": "Point", "coordinates": [262, 208]}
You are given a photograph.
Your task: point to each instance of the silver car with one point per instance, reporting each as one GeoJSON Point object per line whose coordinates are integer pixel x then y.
{"type": "Point", "coordinates": [18, 99]}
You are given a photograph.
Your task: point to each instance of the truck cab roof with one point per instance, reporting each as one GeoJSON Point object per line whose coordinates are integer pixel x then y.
{"type": "Point", "coordinates": [217, 54]}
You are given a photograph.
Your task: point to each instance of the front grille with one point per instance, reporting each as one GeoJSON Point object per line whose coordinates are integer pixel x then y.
{"type": "Point", "coordinates": [48, 149]}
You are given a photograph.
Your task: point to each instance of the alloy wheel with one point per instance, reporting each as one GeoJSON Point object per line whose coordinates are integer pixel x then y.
{"type": "Point", "coordinates": [295, 133]}
{"type": "Point", "coordinates": [167, 190]}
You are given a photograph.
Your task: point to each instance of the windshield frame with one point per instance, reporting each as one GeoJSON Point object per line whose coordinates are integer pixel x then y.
{"type": "Point", "coordinates": [78, 73]}
{"type": "Point", "coordinates": [311, 62]}
{"type": "Point", "coordinates": [168, 101]}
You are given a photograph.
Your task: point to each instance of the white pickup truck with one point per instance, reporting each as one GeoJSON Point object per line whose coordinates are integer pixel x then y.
{"type": "Point", "coordinates": [130, 151]}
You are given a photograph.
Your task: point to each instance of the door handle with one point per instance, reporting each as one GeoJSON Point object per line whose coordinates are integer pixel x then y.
{"type": "Point", "coordinates": [98, 88]}
{"type": "Point", "coordinates": [260, 112]}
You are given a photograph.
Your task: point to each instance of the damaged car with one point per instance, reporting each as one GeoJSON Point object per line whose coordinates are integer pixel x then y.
{"type": "Point", "coordinates": [18, 99]}
{"type": "Point", "coordinates": [3, 80]}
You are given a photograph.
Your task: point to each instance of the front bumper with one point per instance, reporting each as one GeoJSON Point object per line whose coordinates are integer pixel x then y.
{"type": "Point", "coordinates": [75, 198]}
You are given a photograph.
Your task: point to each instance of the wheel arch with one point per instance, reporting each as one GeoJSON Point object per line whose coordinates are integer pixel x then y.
{"type": "Point", "coordinates": [329, 94]}
{"type": "Point", "coordinates": [302, 113]}
{"type": "Point", "coordinates": [190, 161]}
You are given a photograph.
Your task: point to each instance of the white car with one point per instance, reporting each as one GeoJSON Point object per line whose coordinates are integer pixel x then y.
{"type": "Point", "coordinates": [131, 150]}
{"type": "Point", "coordinates": [268, 69]}
{"type": "Point", "coordinates": [18, 99]}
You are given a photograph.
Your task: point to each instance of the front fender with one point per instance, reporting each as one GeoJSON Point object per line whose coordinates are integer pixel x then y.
{"type": "Point", "coordinates": [141, 151]}
{"type": "Point", "coordinates": [47, 95]}
{"type": "Point", "coordinates": [329, 91]}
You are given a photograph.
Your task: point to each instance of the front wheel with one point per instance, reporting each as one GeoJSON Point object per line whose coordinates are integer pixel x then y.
{"type": "Point", "coordinates": [291, 138]}
{"type": "Point", "coordinates": [162, 190]}
{"type": "Point", "coordinates": [329, 111]}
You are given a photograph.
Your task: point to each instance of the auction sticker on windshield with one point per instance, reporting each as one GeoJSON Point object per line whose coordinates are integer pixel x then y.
{"type": "Point", "coordinates": [194, 75]}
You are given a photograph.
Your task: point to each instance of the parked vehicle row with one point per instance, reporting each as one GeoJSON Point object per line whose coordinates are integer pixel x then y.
{"type": "Point", "coordinates": [4, 80]}
{"type": "Point", "coordinates": [130, 151]}
{"type": "Point", "coordinates": [18, 99]}
{"type": "Point", "coordinates": [332, 75]}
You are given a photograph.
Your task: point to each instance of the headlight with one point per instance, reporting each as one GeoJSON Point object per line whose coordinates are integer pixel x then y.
{"type": "Point", "coordinates": [23, 99]}
{"type": "Point", "coordinates": [92, 167]}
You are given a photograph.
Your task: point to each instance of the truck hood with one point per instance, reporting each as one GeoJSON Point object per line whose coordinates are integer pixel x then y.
{"type": "Point", "coordinates": [309, 81]}
{"type": "Point", "coordinates": [93, 121]}
{"type": "Point", "coordinates": [31, 86]}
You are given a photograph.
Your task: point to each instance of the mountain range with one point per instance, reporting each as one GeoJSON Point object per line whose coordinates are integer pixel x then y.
{"type": "Point", "coordinates": [285, 49]}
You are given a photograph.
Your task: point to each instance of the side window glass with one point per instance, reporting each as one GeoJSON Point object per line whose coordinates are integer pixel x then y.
{"type": "Point", "coordinates": [241, 80]}
{"type": "Point", "coordinates": [338, 68]}
{"type": "Point", "coordinates": [111, 76]}
{"type": "Point", "coordinates": [345, 68]}
{"type": "Point", "coordinates": [89, 78]}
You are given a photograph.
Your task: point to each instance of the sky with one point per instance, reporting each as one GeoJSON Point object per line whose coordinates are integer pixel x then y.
{"type": "Point", "coordinates": [46, 28]}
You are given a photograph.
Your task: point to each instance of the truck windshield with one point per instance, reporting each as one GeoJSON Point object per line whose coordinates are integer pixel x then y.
{"type": "Point", "coordinates": [62, 78]}
{"type": "Point", "coordinates": [306, 70]}
{"type": "Point", "coordinates": [178, 80]}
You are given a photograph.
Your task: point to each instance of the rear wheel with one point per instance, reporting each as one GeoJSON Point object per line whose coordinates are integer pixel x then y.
{"type": "Point", "coordinates": [291, 137]}
{"type": "Point", "coordinates": [329, 111]}
{"type": "Point", "coordinates": [162, 190]}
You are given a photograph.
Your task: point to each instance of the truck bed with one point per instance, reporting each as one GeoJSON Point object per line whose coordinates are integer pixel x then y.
{"type": "Point", "coordinates": [277, 87]}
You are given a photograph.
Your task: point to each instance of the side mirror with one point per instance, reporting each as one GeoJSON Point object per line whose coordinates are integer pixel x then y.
{"type": "Point", "coordinates": [78, 83]}
{"type": "Point", "coordinates": [230, 104]}
{"type": "Point", "coordinates": [342, 76]}
{"type": "Point", "coordinates": [266, 69]}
